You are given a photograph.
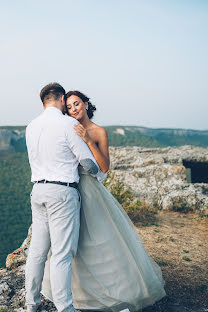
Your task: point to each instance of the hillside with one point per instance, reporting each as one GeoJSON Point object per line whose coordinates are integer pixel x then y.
{"type": "Point", "coordinates": [149, 137]}
{"type": "Point", "coordinates": [15, 187]}
{"type": "Point", "coordinates": [13, 137]}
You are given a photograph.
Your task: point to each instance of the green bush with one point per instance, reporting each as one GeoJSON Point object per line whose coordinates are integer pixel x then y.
{"type": "Point", "coordinates": [5, 309]}
{"type": "Point", "coordinates": [180, 204]}
{"type": "Point", "coordinates": [139, 211]}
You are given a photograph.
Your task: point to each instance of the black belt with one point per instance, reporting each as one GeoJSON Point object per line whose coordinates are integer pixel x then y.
{"type": "Point", "coordinates": [74, 184]}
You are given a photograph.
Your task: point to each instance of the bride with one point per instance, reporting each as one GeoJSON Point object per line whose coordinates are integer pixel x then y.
{"type": "Point", "coordinates": [111, 270]}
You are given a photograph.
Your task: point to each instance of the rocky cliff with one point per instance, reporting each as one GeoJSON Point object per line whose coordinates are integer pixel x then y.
{"type": "Point", "coordinates": [161, 175]}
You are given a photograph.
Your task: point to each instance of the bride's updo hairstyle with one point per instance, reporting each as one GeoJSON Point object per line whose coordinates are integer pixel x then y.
{"type": "Point", "coordinates": [84, 98]}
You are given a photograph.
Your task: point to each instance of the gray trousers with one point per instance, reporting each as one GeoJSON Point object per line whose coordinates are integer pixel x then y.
{"type": "Point", "coordinates": [55, 225]}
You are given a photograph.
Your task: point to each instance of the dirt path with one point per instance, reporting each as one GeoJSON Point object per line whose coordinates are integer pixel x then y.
{"type": "Point", "coordinates": [179, 244]}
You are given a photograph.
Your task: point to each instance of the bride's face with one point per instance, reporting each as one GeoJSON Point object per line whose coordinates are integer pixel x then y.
{"type": "Point", "coordinates": [76, 107]}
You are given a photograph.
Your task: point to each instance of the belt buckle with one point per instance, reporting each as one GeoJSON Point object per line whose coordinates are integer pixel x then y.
{"type": "Point", "coordinates": [67, 184]}
{"type": "Point", "coordinates": [44, 181]}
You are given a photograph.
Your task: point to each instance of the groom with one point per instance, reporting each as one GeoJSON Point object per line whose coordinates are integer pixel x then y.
{"type": "Point", "coordinates": [54, 151]}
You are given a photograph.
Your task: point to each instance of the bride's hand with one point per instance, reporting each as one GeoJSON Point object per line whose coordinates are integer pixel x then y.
{"type": "Point", "coordinates": [82, 132]}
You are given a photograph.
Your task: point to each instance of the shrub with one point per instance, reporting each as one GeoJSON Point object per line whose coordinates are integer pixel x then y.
{"type": "Point", "coordinates": [5, 309]}
{"type": "Point", "coordinates": [180, 204]}
{"type": "Point", "coordinates": [138, 210]}
{"type": "Point", "coordinates": [142, 212]}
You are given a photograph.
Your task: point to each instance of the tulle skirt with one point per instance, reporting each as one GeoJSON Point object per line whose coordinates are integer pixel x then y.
{"type": "Point", "coordinates": [111, 270]}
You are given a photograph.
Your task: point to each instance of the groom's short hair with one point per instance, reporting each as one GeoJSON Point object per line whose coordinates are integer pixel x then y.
{"type": "Point", "coordinates": [51, 91]}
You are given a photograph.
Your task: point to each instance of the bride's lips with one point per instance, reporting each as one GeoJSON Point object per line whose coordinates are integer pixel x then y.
{"type": "Point", "coordinates": [75, 114]}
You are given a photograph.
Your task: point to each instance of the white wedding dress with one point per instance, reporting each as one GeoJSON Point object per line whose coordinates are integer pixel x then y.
{"type": "Point", "coordinates": [111, 270]}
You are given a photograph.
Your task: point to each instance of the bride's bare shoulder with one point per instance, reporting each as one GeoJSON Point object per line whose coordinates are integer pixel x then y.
{"type": "Point", "coordinates": [99, 132]}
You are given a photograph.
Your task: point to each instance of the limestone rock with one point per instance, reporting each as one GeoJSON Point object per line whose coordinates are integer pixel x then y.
{"type": "Point", "coordinates": [19, 256]}
{"type": "Point", "coordinates": [158, 175]}
{"type": "Point", "coordinates": [4, 288]}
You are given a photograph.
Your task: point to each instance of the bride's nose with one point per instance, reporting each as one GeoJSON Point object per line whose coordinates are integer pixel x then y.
{"type": "Point", "coordinates": [74, 108]}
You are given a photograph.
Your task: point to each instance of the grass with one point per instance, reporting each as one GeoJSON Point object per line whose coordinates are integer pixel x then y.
{"type": "Point", "coordinates": [187, 259]}
{"type": "Point", "coordinates": [139, 211]}
{"type": "Point", "coordinates": [162, 262]}
{"type": "Point", "coordinates": [203, 216]}
{"type": "Point", "coordinates": [172, 239]}
{"type": "Point", "coordinates": [5, 309]}
{"type": "Point", "coordinates": [180, 204]}
{"type": "Point", "coordinates": [186, 281]}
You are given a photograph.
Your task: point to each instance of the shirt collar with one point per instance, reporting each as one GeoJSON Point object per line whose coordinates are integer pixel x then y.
{"type": "Point", "coordinates": [53, 109]}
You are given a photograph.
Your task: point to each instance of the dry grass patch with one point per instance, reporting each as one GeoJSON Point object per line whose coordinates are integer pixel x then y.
{"type": "Point", "coordinates": [179, 245]}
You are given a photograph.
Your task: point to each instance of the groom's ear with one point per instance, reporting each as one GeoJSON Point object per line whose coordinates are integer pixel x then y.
{"type": "Point", "coordinates": [63, 98]}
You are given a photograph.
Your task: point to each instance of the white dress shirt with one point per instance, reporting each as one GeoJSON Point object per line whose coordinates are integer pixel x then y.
{"type": "Point", "coordinates": [54, 148]}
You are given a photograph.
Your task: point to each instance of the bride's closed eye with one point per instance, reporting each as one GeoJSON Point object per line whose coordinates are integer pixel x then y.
{"type": "Point", "coordinates": [75, 104]}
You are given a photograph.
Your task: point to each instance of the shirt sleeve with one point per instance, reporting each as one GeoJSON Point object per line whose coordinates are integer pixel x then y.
{"type": "Point", "coordinates": [28, 141]}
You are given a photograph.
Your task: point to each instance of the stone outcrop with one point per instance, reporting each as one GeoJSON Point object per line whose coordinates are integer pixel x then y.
{"type": "Point", "coordinates": [158, 175]}
{"type": "Point", "coordinates": [19, 256]}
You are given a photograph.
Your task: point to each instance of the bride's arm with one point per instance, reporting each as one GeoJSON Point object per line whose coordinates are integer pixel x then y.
{"type": "Point", "coordinates": [99, 150]}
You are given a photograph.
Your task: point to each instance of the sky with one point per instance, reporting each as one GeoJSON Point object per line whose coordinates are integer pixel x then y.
{"type": "Point", "coordinates": [141, 62]}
